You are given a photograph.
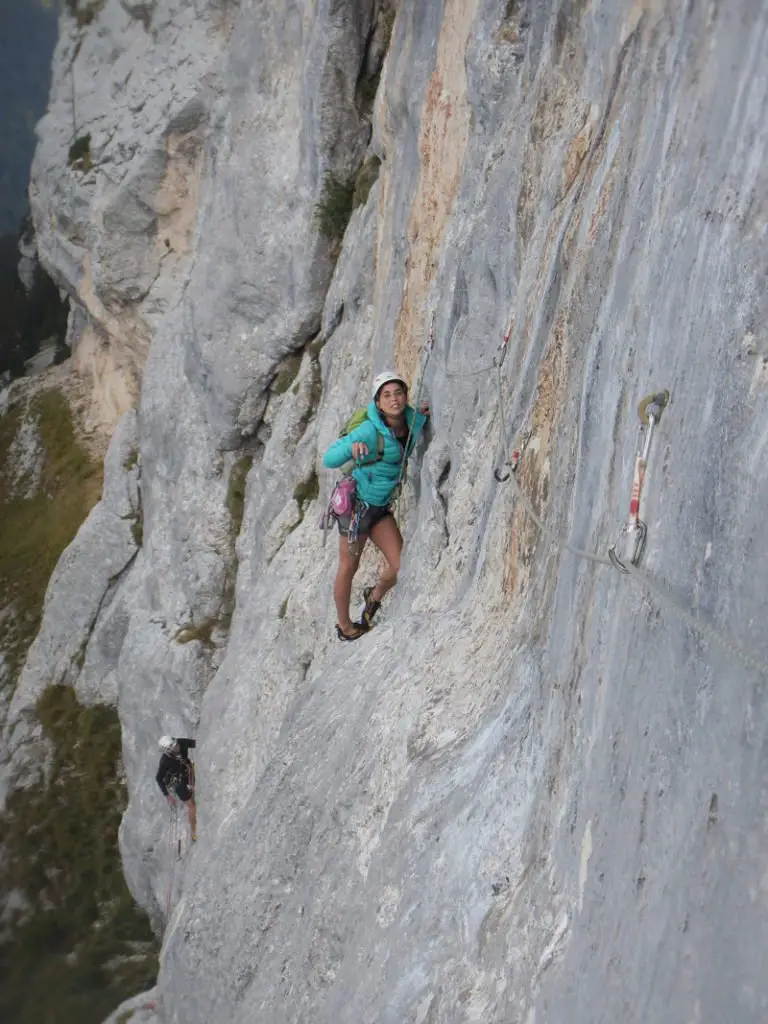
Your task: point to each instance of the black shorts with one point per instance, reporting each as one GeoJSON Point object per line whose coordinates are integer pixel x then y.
{"type": "Point", "coordinates": [371, 515]}
{"type": "Point", "coordinates": [183, 792]}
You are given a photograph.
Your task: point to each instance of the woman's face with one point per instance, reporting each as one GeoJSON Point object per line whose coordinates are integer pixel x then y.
{"type": "Point", "coordinates": [392, 399]}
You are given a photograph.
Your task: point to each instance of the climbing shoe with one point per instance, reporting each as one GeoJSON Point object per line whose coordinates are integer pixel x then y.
{"type": "Point", "coordinates": [371, 607]}
{"type": "Point", "coordinates": [358, 630]}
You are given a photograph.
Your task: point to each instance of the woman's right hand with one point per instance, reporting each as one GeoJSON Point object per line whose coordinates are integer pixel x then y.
{"type": "Point", "coordinates": [359, 450]}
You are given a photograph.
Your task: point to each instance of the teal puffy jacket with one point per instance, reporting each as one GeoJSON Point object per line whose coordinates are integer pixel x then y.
{"type": "Point", "coordinates": [376, 481]}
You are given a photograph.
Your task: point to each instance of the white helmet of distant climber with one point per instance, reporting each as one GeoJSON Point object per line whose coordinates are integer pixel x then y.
{"type": "Point", "coordinates": [166, 743]}
{"type": "Point", "coordinates": [387, 377]}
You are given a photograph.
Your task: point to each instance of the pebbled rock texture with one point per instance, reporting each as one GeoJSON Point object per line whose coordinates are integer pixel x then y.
{"type": "Point", "coordinates": [536, 791]}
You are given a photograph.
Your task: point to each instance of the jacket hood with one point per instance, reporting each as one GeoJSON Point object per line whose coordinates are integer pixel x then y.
{"type": "Point", "coordinates": [376, 418]}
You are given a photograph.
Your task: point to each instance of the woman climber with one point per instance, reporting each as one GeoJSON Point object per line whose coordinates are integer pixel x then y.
{"type": "Point", "coordinates": [380, 447]}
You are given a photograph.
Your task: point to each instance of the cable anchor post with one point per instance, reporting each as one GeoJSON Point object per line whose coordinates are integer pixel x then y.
{"type": "Point", "coordinates": [626, 553]}
{"type": "Point", "coordinates": [508, 467]}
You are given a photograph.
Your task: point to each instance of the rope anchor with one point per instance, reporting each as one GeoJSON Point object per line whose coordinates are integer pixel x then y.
{"type": "Point", "coordinates": [631, 540]}
{"type": "Point", "coordinates": [505, 471]}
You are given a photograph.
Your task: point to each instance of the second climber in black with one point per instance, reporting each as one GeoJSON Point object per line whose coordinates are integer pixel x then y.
{"type": "Point", "coordinates": [176, 775]}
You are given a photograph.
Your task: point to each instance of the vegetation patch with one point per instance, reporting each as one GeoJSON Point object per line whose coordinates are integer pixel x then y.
{"type": "Point", "coordinates": [368, 83]}
{"type": "Point", "coordinates": [203, 633]}
{"type": "Point", "coordinates": [141, 13]}
{"type": "Point", "coordinates": [335, 208]}
{"type": "Point", "coordinates": [84, 11]}
{"type": "Point", "coordinates": [307, 491]}
{"type": "Point", "coordinates": [80, 154]}
{"type": "Point", "coordinates": [365, 180]}
{"type": "Point", "coordinates": [82, 945]}
{"type": "Point", "coordinates": [35, 530]}
{"type": "Point", "coordinates": [304, 493]}
{"type": "Point", "coordinates": [131, 460]}
{"type": "Point", "coordinates": [136, 519]}
{"type": "Point", "coordinates": [316, 346]}
{"type": "Point", "coordinates": [238, 478]}
{"type": "Point", "coordinates": [514, 23]}
{"type": "Point", "coordinates": [282, 611]}
{"type": "Point", "coordinates": [289, 369]}
{"type": "Point", "coordinates": [222, 620]}
{"type": "Point", "coordinates": [137, 530]}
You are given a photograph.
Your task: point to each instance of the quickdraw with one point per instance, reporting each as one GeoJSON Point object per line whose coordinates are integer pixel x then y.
{"type": "Point", "coordinates": [508, 467]}
{"type": "Point", "coordinates": [630, 544]}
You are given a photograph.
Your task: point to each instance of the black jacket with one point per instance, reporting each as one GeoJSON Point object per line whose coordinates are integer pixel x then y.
{"type": "Point", "coordinates": [175, 768]}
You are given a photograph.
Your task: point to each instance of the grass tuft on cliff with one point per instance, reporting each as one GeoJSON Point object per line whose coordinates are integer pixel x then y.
{"type": "Point", "coordinates": [80, 154]}
{"type": "Point", "coordinates": [81, 946]}
{"type": "Point", "coordinates": [35, 530]}
{"type": "Point", "coordinates": [334, 209]}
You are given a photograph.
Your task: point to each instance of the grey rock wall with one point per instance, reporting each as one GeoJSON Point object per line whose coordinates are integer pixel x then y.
{"type": "Point", "coordinates": [116, 175]}
{"type": "Point", "coordinates": [535, 792]}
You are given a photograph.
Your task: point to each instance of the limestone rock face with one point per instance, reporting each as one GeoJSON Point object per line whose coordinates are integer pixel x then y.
{"type": "Point", "coordinates": [536, 791]}
{"type": "Point", "coordinates": [115, 180]}
{"type": "Point", "coordinates": [84, 622]}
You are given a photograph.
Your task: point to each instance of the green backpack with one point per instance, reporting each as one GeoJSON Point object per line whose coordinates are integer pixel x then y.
{"type": "Point", "coordinates": [360, 416]}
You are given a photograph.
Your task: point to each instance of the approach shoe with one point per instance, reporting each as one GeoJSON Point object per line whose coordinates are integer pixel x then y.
{"type": "Point", "coordinates": [358, 629]}
{"type": "Point", "coordinates": [370, 609]}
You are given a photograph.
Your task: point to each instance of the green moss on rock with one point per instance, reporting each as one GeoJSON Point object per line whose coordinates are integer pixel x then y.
{"type": "Point", "coordinates": [286, 374]}
{"type": "Point", "coordinates": [236, 493]}
{"type": "Point", "coordinates": [82, 945]}
{"type": "Point", "coordinates": [80, 154]}
{"type": "Point", "coordinates": [35, 530]}
{"type": "Point", "coordinates": [365, 180]}
{"type": "Point", "coordinates": [306, 491]}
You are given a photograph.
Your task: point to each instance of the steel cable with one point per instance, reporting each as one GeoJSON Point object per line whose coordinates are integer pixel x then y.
{"type": "Point", "coordinates": [637, 575]}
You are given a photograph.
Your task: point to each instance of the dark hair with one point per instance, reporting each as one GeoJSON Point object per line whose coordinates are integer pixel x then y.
{"type": "Point", "coordinates": [393, 380]}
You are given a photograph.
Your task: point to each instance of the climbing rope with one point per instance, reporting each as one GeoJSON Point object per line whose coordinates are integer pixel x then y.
{"type": "Point", "coordinates": [415, 405]}
{"type": "Point", "coordinates": [419, 389]}
{"type": "Point", "coordinates": [643, 579]}
{"type": "Point", "coordinates": [174, 850]}
{"type": "Point", "coordinates": [497, 360]}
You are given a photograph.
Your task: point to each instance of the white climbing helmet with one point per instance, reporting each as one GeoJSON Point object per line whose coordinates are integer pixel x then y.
{"type": "Point", "coordinates": [386, 378]}
{"type": "Point", "coordinates": [166, 743]}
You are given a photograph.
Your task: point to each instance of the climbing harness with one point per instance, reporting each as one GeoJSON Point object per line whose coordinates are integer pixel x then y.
{"type": "Point", "coordinates": [631, 540]}
{"type": "Point", "coordinates": [353, 532]}
{"type": "Point", "coordinates": [342, 499]}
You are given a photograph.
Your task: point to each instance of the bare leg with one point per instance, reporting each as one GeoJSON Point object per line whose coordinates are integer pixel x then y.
{"type": "Point", "coordinates": [388, 539]}
{"type": "Point", "coordinates": [342, 587]}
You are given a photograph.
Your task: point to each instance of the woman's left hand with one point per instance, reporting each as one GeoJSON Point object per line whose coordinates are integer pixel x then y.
{"type": "Point", "coordinates": [424, 409]}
